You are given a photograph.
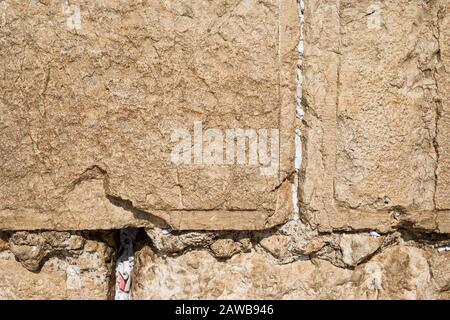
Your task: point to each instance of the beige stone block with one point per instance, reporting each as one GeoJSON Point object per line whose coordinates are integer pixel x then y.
{"type": "Point", "coordinates": [88, 113]}
{"type": "Point", "coordinates": [372, 98]}
{"type": "Point", "coordinates": [399, 272]}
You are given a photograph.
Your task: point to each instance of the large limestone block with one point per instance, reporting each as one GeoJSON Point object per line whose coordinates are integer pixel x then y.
{"type": "Point", "coordinates": [398, 272]}
{"type": "Point", "coordinates": [92, 93]}
{"type": "Point", "coordinates": [198, 275]}
{"type": "Point", "coordinates": [375, 125]}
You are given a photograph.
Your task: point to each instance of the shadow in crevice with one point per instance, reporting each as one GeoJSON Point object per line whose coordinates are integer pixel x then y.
{"type": "Point", "coordinates": [137, 213]}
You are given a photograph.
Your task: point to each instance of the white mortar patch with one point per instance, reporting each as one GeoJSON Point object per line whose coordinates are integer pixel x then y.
{"type": "Point", "coordinates": [73, 281]}
{"type": "Point", "coordinates": [300, 114]}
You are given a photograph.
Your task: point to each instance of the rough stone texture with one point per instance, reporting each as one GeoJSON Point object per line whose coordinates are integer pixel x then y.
{"type": "Point", "coordinates": [355, 248]}
{"type": "Point", "coordinates": [442, 142]}
{"type": "Point", "coordinates": [400, 272]}
{"type": "Point", "coordinates": [277, 245]}
{"type": "Point", "coordinates": [53, 265]}
{"type": "Point", "coordinates": [224, 248]}
{"type": "Point", "coordinates": [375, 115]}
{"type": "Point", "coordinates": [87, 113]}
{"type": "Point", "coordinates": [166, 242]}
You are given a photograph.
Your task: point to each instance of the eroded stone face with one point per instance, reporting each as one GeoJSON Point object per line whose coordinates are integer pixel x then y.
{"type": "Point", "coordinates": [99, 98]}
{"type": "Point", "coordinates": [375, 127]}
{"type": "Point", "coordinates": [92, 93]}
{"type": "Point", "coordinates": [386, 113]}
{"type": "Point", "coordinates": [401, 272]}
{"type": "Point", "coordinates": [56, 265]}
{"type": "Point", "coordinates": [443, 117]}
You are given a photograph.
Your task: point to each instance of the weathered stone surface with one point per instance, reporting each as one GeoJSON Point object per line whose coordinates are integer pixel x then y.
{"type": "Point", "coordinates": [357, 247]}
{"type": "Point", "coordinates": [197, 275]}
{"type": "Point", "coordinates": [386, 113]}
{"type": "Point", "coordinates": [30, 249]}
{"type": "Point", "coordinates": [75, 267]}
{"type": "Point", "coordinates": [443, 117]}
{"type": "Point", "coordinates": [313, 246]}
{"type": "Point", "coordinates": [277, 245]}
{"type": "Point", "coordinates": [224, 248]}
{"type": "Point", "coordinates": [90, 101]}
{"type": "Point", "coordinates": [440, 269]}
{"type": "Point", "coordinates": [400, 272]}
{"type": "Point", "coordinates": [373, 109]}
{"type": "Point", "coordinates": [92, 93]}
{"type": "Point", "coordinates": [169, 243]}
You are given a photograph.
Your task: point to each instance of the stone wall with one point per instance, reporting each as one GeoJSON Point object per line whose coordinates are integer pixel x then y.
{"type": "Point", "coordinates": [275, 149]}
